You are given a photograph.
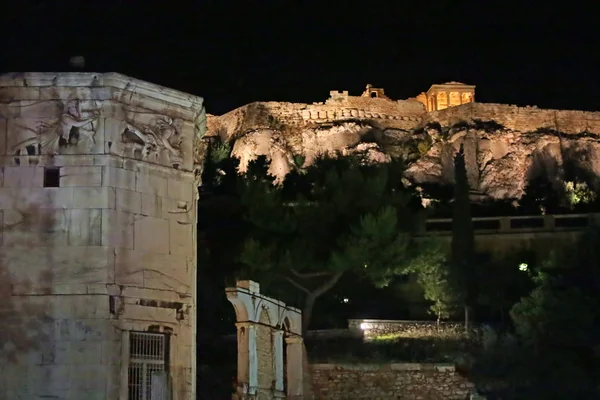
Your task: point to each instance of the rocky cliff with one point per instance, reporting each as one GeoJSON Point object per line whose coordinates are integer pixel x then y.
{"type": "Point", "coordinates": [505, 145]}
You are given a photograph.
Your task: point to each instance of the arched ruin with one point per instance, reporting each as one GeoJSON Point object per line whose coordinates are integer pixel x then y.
{"type": "Point", "coordinates": [263, 325]}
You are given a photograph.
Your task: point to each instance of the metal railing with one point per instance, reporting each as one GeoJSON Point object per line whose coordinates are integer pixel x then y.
{"type": "Point", "coordinates": [515, 224]}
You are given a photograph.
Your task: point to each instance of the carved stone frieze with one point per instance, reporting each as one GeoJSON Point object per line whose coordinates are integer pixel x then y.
{"type": "Point", "coordinates": [74, 128]}
{"type": "Point", "coordinates": [162, 135]}
{"type": "Point", "coordinates": [51, 114]}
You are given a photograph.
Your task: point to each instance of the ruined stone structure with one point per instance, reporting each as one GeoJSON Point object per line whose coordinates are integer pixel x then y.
{"type": "Point", "coordinates": [450, 94]}
{"type": "Point", "coordinates": [98, 194]}
{"type": "Point", "coordinates": [266, 368]}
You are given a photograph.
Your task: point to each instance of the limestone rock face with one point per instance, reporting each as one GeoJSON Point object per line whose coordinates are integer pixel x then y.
{"type": "Point", "coordinates": [505, 146]}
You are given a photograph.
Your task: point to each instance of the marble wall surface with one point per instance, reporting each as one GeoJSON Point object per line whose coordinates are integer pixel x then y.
{"type": "Point", "coordinates": [98, 193]}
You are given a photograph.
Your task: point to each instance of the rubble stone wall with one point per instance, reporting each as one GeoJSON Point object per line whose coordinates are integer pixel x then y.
{"type": "Point", "coordinates": [389, 381]}
{"type": "Point", "coordinates": [379, 327]}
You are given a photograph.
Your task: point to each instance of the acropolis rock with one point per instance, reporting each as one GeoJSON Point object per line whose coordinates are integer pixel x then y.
{"type": "Point", "coordinates": [505, 145]}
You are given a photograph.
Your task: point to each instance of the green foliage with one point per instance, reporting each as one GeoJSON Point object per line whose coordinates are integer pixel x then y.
{"type": "Point", "coordinates": [219, 151]}
{"type": "Point", "coordinates": [578, 193]}
{"type": "Point", "coordinates": [299, 160]}
{"type": "Point", "coordinates": [541, 196]}
{"type": "Point", "coordinates": [553, 315]}
{"type": "Point", "coordinates": [433, 275]}
{"type": "Point", "coordinates": [219, 167]}
{"type": "Point", "coordinates": [423, 147]}
{"type": "Point", "coordinates": [338, 216]}
{"type": "Point", "coordinates": [554, 354]}
{"type": "Point", "coordinates": [501, 283]}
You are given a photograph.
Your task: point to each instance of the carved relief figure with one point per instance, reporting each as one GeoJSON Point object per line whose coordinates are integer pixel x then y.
{"type": "Point", "coordinates": [163, 133]}
{"type": "Point", "coordinates": [76, 126]}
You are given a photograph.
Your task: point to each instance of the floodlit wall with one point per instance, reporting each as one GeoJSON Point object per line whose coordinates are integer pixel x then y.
{"type": "Point", "coordinates": [98, 250]}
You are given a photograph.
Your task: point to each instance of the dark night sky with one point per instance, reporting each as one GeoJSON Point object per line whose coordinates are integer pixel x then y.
{"type": "Point", "coordinates": [235, 52]}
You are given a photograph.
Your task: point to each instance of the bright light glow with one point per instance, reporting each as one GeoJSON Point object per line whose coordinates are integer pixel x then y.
{"type": "Point", "coordinates": [523, 267]}
{"type": "Point", "coordinates": [346, 300]}
{"type": "Point", "coordinates": [365, 326]}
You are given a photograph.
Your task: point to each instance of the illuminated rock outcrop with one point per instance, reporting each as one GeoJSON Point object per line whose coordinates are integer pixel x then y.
{"type": "Point", "coordinates": [505, 145]}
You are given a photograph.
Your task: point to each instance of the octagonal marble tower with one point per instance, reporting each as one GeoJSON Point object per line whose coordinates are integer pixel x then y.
{"type": "Point", "coordinates": [98, 193]}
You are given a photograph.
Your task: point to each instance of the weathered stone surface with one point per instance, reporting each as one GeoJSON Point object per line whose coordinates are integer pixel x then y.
{"type": "Point", "coordinates": [87, 253]}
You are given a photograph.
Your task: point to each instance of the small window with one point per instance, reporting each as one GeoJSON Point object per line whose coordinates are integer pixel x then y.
{"type": "Point", "coordinates": [373, 94]}
{"type": "Point", "coordinates": [51, 177]}
{"type": "Point", "coordinates": [148, 355]}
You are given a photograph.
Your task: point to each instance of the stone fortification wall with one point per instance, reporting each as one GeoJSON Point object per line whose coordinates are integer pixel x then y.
{"type": "Point", "coordinates": [522, 119]}
{"type": "Point", "coordinates": [389, 381]}
{"type": "Point", "coordinates": [378, 105]}
{"type": "Point", "coordinates": [276, 115]}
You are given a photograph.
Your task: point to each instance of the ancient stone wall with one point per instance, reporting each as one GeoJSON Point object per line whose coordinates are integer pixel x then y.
{"type": "Point", "coordinates": [390, 381]}
{"type": "Point", "coordinates": [98, 206]}
{"type": "Point", "coordinates": [522, 119]}
{"type": "Point", "coordinates": [379, 105]}
{"type": "Point", "coordinates": [277, 115]}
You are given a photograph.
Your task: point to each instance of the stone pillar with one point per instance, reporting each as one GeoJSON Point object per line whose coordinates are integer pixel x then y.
{"type": "Point", "coordinates": [295, 367]}
{"type": "Point", "coordinates": [549, 223]}
{"type": "Point", "coordinates": [447, 99]}
{"type": "Point", "coordinates": [247, 375]}
{"type": "Point", "coordinates": [504, 224]}
{"type": "Point", "coordinates": [278, 359]}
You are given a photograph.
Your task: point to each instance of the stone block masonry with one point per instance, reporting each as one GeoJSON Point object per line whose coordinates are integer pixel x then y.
{"type": "Point", "coordinates": [388, 382]}
{"type": "Point", "coordinates": [97, 242]}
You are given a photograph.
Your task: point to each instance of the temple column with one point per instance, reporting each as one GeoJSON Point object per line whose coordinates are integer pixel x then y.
{"type": "Point", "coordinates": [447, 99]}
{"type": "Point", "coordinates": [295, 367]}
{"type": "Point", "coordinates": [278, 360]}
{"type": "Point", "coordinates": [435, 102]}
{"type": "Point", "coordinates": [247, 374]}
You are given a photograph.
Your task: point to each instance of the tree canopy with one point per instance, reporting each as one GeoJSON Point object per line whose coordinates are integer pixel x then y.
{"type": "Point", "coordinates": [340, 215]}
{"type": "Point", "coordinates": [554, 352]}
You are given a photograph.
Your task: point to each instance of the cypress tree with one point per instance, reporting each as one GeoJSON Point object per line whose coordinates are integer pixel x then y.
{"type": "Point", "coordinates": [463, 241]}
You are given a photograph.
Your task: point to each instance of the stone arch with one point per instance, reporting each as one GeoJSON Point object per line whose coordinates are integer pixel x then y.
{"type": "Point", "coordinates": [286, 324]}
{"type": "Point", "coordinates": [241, 309]}
{"type": "Point", "coordinates": [262, 323]}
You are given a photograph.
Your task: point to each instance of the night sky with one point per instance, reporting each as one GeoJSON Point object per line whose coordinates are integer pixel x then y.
{"type": "Point", "coordinates": [235, 52]}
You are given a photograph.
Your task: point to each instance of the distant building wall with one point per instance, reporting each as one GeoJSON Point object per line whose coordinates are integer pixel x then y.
{"type": "Point", "coordinates": [499, 235]}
